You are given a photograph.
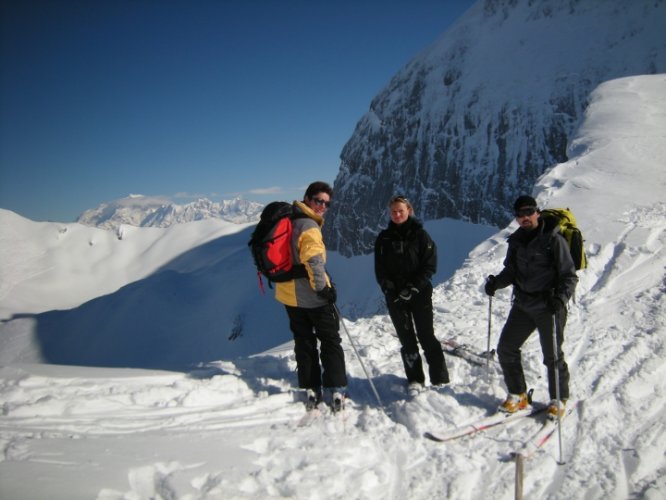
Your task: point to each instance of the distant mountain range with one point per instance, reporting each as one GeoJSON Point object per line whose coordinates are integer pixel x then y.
{"type": "Point", "coordinates": [146, 211]}
{"type": "Point", "coordinates": [476, 118]}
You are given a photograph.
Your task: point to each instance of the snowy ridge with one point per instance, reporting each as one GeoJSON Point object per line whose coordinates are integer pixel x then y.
{"type": "Point", "coordinates": [146, 211]}
{"type": "Point", "coordinates": [63, 265]}
{"type": "Point", "coordinates": [227, 429]}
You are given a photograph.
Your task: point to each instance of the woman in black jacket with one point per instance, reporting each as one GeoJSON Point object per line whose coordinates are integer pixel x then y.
{"type": "Point", "coordinates": [405, 260]}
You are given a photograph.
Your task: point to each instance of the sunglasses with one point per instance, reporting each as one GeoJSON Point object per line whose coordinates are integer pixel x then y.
{"type": "Point", "coordinates": [322, 203]}
{"type": "Point", "coordinates": [525, 212]}
{"type": "Point", "coordinates": [399, 199]}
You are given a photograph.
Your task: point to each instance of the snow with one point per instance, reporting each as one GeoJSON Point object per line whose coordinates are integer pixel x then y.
{"type": "Point", "coordinates": [113, 423]}
{"type": "Point", "coordinates": [47, 265]}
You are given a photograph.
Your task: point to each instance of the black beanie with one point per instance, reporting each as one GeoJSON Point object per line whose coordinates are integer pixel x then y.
{"type": "Point", "coordinates": [524, 201]}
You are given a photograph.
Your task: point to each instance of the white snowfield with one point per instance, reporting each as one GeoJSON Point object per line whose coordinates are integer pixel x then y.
{"type": "Point", "coordinates": [227, 427]}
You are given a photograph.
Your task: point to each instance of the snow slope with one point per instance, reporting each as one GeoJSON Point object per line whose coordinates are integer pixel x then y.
{"type": "Point", "coordinates": [47, 265]}
{"type": "Point", "coordinates": [227, 428]}
{"type": "Point", "coordinates": [179, 296]}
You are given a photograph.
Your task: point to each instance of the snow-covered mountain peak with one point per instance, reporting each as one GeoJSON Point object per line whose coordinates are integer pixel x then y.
{"type": "Point", "coordinates": [477, 117]}
{"type": "Point", "coordinates": [147, 211]}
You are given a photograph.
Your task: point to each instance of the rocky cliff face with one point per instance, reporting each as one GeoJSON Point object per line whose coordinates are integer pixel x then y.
{"type": "Point", "coordinates": [476, 118]}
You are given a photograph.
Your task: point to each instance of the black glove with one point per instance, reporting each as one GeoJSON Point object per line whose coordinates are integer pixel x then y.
{"type": "Point", "coordinates": [388, 288]}
{"type": "Point", "coordinates": [491, 285]}
{"type": "Point", "coordinates": [407, 293]}
{"type": "Point", "coordinates": [555, 303]}
{"type": "Point", "coordinates": [329, 294]}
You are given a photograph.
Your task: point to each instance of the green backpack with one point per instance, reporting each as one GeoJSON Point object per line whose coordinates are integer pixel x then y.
{"type": "Point", "coordinates": [568, 228]}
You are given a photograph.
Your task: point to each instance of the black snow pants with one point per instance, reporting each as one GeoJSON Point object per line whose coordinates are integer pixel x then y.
{"type": "Point", "coordinates": [308, 326]}
{"type": "Point", "coordinates": [413, 322]}
{"type": "Point", "coordinates": [518, 327]}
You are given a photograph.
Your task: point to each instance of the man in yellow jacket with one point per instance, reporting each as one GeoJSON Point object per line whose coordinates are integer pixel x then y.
{"type": "Point", "coordinates": [310, 304]}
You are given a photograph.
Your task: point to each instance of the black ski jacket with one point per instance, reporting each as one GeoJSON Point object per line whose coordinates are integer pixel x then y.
{"type": "Point", "coordinates": [537, 264]}
{"type": "Point", "coordinates": [405, 255]}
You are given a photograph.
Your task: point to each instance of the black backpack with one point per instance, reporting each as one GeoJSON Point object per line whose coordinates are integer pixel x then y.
{"type": "Point", "coordinates": [270, 244]}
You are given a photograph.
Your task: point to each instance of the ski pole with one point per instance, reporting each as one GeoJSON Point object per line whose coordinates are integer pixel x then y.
{"type": "Point", "coordinates": [374, 389]}
{"type": "Point", "coordinates": [557, 387]}
{"type": "Point", "coordinates": [490, 316]}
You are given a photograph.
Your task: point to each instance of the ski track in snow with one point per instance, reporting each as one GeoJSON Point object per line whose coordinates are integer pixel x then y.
{"type": "Point", "coordinates": [367, 449]}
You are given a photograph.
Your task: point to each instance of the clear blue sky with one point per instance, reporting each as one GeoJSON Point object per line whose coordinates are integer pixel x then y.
{"type": "Point", "coordinates": [100, 99]}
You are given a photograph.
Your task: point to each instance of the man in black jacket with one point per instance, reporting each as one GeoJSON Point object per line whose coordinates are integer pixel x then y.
{"type": "Point", "coordinates": [405, 260]}
{"type": "Point", "coordinates": [539, 266]}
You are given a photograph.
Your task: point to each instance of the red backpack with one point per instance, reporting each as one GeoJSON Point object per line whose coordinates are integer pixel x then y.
{"type": "Point", "coordinates": [270, 244]}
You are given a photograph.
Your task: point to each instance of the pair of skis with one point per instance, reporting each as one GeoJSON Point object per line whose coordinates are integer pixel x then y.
{"type": "Point", "coordinates": [541, 437]}
{"type": "Point", "coordinates": [321, 409]}
{"type": "Point", "coordinates": [484, 423]}
{"type": "Point", "coordinates": [309, 417]}
{"type": "Point", "coordinates": [466, 352]}
{"type": "Point", "coordinates": [529, 447]}
{"type": "Point", "coordinates": [533, 443]}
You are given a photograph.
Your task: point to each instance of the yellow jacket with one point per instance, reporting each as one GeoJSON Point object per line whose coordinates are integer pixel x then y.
{"type": "Point", "coordinates": [307, 248]}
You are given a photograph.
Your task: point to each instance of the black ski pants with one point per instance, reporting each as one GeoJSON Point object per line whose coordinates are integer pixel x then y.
{"type": "Point", "coordinates": [518, 327]}
{"type": "Point", "coordinates": [413, 322]}
{"type": "Point", "coordinates": [308, 326]}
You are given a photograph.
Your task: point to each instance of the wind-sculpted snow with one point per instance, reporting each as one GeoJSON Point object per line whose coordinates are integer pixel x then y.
{"type": "Point", "coordinates": [472, 122]}
{"type": "Point", "coordinates": [229, 428]}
